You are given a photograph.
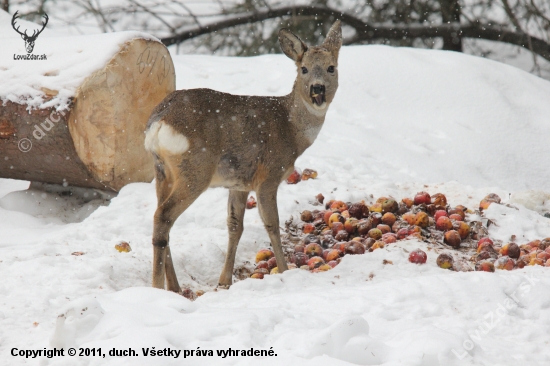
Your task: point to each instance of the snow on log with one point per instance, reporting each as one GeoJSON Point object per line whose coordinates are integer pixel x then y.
{"type": "Point", "coordinates": [78, 118]}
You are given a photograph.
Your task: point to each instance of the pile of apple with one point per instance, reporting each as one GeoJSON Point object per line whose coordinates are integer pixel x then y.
{"type": "Point", "coordinates": [344, 228]}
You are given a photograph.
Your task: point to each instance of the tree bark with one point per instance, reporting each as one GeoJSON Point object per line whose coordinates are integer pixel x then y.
{"type": "Point", "coordinates": [450, 13]}
{"type": "Point", "coordinates": [98, 141]}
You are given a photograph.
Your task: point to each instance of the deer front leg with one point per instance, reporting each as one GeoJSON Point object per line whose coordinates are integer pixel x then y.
{"type": "Point", "coordinates": [267, 205]}
{"type": "Point", "coordinates": [235, 213]}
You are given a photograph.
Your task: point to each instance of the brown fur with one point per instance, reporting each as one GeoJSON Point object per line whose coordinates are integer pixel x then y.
{"type": "Point", "coordinates": [242, 143]}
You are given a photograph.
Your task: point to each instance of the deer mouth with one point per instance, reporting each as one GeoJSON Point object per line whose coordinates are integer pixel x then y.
{"type": "Point", "coordinates": [317, 94]}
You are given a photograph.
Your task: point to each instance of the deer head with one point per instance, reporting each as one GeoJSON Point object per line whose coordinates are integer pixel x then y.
{"type": "Point", "coordinates": [29, 40]}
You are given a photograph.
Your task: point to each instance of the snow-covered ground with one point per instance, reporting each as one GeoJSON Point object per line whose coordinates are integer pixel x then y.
{"type": "Point", "coordinates": [403, 121]}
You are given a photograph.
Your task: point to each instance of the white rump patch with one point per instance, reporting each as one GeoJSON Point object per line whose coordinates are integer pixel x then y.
{"type": "Point", "coordinates": [163, 136]}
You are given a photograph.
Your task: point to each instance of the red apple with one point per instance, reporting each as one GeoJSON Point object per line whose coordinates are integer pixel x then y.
{"type": "Point", "coordinates": [300, 259]}
{"type": "Point", "coordinates": [294, 177]}
{"type": "Point", "coordinates": [332, 263]}
{"type": "Point", "coordinates": [408, 202]}
{"type": "Point", "coordinates": [338, 206]}
{"type": "Point", "coordinates": [250, 202]}
{"type": "Point", "coordinates": [315, 262]}
{"type": "Point", "coordinates": [484, 240]}
{"type": "Point", "coordinates": [341, 235]}
{"type": "Point", "coordinates": [409, 217]}
{"type": "Point", "coordinates": [422, 198]}
{"type": "Point", "coordinates": [456, 217]}
{"type": "Point", "coordinates": [418, 256]}
{"type": "Point", "coordinates": [485, 266]}
{"type": "Point", "coordinates": [332, 255]}
{"type": "Point", "coordinates": [389, 238]}
{"type": "Point", "coordinates": [443, 223]}
{"type": "Point", "coordinates": [262, 264]}
{"type": "Point", "coordinates": [355, 247]}
{"type": "Point", "coordinates": [264, 255]}
{"type": "Point", "coordinates": [384, 228]}
{"type": "Point", "coordinates": [439, 213]}
{"type": "Point", "coordinates": [271, 263]}
{"type": "Point", "coordinates": [439, 199]}
{"type": "Point", "coordinates": [308, 228]}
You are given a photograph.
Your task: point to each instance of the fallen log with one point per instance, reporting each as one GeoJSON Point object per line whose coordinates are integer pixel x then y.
{"type": "Point", "coordinates": [94, 137]}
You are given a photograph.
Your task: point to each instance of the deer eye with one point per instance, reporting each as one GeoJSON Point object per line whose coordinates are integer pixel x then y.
{"type": "Point", "coordinates": [330, 69]}
{"type": "Point", "coordinates": [304, 70]}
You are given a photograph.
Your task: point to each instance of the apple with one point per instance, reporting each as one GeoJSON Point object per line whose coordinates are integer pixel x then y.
{"type": "Point", "coordinates": [274, 270]}
{"type": "Point", "coordinates": [408, 202]}
{"type": "Point", "coordinates": [335, 217]}
{"type": "Point", "coordinates": [422, 198]}
{"type": "Point", "coordinates": [377, 207]}
{"type": "Point", "coordinates": [439, 199]}
{"type": "Point", "coordinates": [250, 202]}
{"type": "Point", "coordinates": [327, 241]}
{"type": "Point", "coordinates": [452, 238]}
{"type": "Point", "coordinates": [377, 245]}
{"type": "Point", "coordinates": [355, 247]}
{"type": "Point", "coordinates": [389, 205]}
{"type": "Point", "coordinates": [536, 262]}
{"type": "Point", "coordinates": [313, 250]}
{"type": "Point", "coordinates": [358, 210]}
{"type": "Point", "coordinates": [341, 235]}
{"type": "Point", "coordinates": [484, 240]}
{"type": "Point", "coordinates": [306, 216]}
{"type": "Point", "coordinates": [369, 242]}
{"type": "Point", "coordinates": [388, 219]}
{"type": "Point", "coordinates": [332, 263]}
{"type": "Point", "coordinates": [511, 250]}
{"type": "Point", "coordinates": [309, 174]}
{"type": "Point", "coordinates": [299, 248]}
{"type": "Point", "coordinates": [337, 227]}
{"type": "Point", "coordinates": [264, 255]}
{"type": "Point", "coordinates": [422, 219]}
{"type": "Point", "coordinates": [315, 262]}
{"type": "Point", "coordinates": [445, 261]}
{"type": "Point", "coordinates": [300, 259]}
{"type": "Point", "coordinates": [262, 264]}
{"type": "Point", "coordinates": [505, 262]}
{"type": "Point", "coordinates": [123, 247]}
{"type": "Point", "coordinates": [457, 211]}
{"type": "Point", "coordinates": [398, 224]}
{"type": "Point", "coordinates": [271, 263]}
{"type": "Point", "coordinates": [402, 233]}
{"type": "Point", "coordinates": [376, 219]}
{"type": "Point", "coordinates": [338, 206]}
{"type": "Point", "coordinates": [375, 234]}
{"type": "Point", "coordinates": [257, 275]}
{"type": "Point", "coordinates": [443, 223]}
{"type": "Point", "coordinates": [295, 177]}
{"type": "Point", "coordinates": [320, 198]}
{"type": "Point", "coordinates": [345, 214]}
{"type": "Point", "coordinates": [485, 266]}
{"type": "Point", "coordinates": [308, 228]}
{"type": "Point", "coordinates": [324, 267]}
{"type": "Point", "coordinates": [389, 238]}
{"type": "Point", "coordinates": [363, 226]}
{"type": "Point", "coordinates": [341, 246]}
{"type": "Point", "coordinates": [384, 228]}
{"type": "Point", "coordinates": [462, 228]}
{"type": "Point", "coordinates": [351, 225]}
{"type": "Point", "coordinates": [409, 217]}
{"type": "Point", "coordinates": [418, 256]}
{"type": "Point", "coordinates": [332, 255]}
{"type": "Point", "coordinates": [486, 202]}
{"type": "Point", "coordinates": [456, 217]}
{"type": "Point", "coordinates": [485, 247]}
{"type": "Point", "coordinates": [439, 213]}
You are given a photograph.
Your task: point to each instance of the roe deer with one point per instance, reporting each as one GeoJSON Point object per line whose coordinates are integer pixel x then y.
{"type": "Point", "coordinates": [203, 138]}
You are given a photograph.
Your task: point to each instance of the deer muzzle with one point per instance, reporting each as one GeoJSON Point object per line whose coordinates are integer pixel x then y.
{"type": "Point", "coordinates": [317, 93]}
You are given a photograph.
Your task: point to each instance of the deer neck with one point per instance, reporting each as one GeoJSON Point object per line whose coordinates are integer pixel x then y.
{"type": "Point", "coordinates": [305, 118]}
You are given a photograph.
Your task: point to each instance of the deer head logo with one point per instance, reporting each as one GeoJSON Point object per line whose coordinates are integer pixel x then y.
{"type": "Point", "coordinates": [29, 40]}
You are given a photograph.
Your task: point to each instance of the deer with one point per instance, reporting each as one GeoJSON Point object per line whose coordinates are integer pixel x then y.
{"type": "Point", "coordinates": [202, 138]}
{"type": "Point", "coordinates": [29, 40]}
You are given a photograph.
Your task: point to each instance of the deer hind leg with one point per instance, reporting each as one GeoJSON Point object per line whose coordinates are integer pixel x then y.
{"type": "Point", "coordinates": [235, 214]}
{"type": "Point", "coordinates": [267, 206]}
{"type": "Point", "coordinates": [184, 189]}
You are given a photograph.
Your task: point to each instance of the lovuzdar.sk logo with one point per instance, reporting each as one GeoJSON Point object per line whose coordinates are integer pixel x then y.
{"type": "Point", "coordinates": [29, 40]}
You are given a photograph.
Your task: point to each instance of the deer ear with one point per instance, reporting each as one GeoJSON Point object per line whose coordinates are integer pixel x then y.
{"type": "Point", "coordinates": [291, 45]}
{"type": "Point", "coordinates": [333, 42]}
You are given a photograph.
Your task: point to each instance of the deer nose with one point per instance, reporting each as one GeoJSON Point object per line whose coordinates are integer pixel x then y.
{"type": "Point", "coordinates": [318, 89]}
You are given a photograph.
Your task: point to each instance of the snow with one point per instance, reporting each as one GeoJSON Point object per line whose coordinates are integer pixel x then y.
{"type": "Point", "coordinates": [69, 61]}
{"type": "Point", "coordinates": [403, 121]}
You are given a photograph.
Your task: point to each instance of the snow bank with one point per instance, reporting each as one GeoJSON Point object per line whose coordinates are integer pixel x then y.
{"type": "Point", "coordinates": [69, 61]}
{"type": "Point", "coordinates": [403, 121]}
